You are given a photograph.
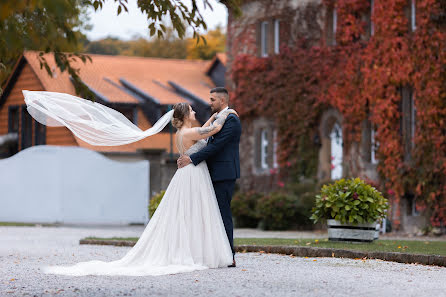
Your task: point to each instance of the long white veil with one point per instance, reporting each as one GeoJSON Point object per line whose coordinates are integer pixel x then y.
{"type": "Point", "coordinates": [92, 122]}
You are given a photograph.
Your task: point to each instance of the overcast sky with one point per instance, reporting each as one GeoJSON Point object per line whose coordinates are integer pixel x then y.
{"type": "Point", "coordinates": [133, 24]}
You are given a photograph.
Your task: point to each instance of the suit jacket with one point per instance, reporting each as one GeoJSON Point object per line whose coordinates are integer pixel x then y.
{"type": "Point", "coordinates": [222, 151]}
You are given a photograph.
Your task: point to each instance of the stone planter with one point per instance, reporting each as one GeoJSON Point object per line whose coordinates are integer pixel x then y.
{"type": "Point", "coordinates": [354, 233]}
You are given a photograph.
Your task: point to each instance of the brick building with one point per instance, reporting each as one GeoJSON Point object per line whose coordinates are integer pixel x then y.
{"type": "Point", "coordinates": [263, 28]}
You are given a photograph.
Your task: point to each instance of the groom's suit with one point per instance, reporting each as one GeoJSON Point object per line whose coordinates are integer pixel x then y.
{"type": "Point", "coordinates": [222, 158]}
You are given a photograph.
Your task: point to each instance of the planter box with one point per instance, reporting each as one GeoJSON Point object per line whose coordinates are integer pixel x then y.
{"type": "Point", "coordinates": [349, 232]}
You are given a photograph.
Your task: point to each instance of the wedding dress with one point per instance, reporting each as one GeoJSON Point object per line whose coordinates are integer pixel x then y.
{"type": "Point", "coordinates": [186, 233]}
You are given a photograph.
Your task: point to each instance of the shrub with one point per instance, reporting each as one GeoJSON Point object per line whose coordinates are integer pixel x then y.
{"type": "Point", "coordinates": [351, 201]}
{"type": "Point", "coordinates": [305, 192]}
{"type": "Point", "coordinates": [154, 202]}
{"type": "Point", "coordinates": [244, 209]}
{"type": "Point", "coordinates": [278, 211]}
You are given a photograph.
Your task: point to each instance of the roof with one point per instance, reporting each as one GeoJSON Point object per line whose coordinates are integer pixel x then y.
{"type": "Point", "coordinates": [219, 57]}
{"type": "Point", "coordinates": [110, 77]}
{"type": "Point", "coordinates": [151, 75]}
{"type": "Point", "coordinates": [222, 58]}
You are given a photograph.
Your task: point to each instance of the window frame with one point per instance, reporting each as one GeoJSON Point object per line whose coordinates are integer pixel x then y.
{"type": "Point", "coordinates": [264, 39]}
{"type": "Point", "coordinates": [11, 109]}
{"type": "Point", "coordinates": [372, 25]}
{"type": "Point", "coordinates": [264, 144]}
{"type": "Point", "coordinates": [276, 36]}
{"type": "Point", "coordinates": [413, 15]}
{"type": "Point", "coordinates": [373, 146]}
{"type": "Point", "coordinates": [334, 25]}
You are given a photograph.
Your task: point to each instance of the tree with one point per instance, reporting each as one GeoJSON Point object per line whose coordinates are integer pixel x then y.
{"type": "Point", "coordinates": [107, 46]}
{"type": "Point", "coordinates": [168, 47]}
{"type": "Point", "coordinates": [215, 43]}
{"type": "Point", "coordinates": [37, 24]}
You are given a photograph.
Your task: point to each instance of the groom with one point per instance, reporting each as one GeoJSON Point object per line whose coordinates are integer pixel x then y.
{"type": "Point", "coordinates": [222, 158]}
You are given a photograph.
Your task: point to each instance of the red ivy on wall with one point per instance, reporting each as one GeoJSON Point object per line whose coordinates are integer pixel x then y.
{"type": "Point", "coordinates": [362, 79]}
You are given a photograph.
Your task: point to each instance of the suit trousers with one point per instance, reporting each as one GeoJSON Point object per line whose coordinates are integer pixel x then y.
{"type": "Point", "coordinates": [224, 191]}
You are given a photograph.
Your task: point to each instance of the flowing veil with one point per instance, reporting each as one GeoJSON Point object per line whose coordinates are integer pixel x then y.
{"type": "Point", "coordinates": [92, 122]}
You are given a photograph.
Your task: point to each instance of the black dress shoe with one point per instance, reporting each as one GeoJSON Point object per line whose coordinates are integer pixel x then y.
{"type": "Point", "coordinates": [233, 264]}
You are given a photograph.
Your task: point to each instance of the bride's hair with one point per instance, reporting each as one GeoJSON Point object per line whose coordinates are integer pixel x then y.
{"type": "Point", "coordinates": [180, 113]}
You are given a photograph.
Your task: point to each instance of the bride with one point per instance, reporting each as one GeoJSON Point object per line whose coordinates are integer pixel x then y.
{"type": "Point", "coordinates": [186, 233]}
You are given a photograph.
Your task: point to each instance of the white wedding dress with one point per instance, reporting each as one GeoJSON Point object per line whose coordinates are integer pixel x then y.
{"type": "Point", "coordinates": [185, 234]}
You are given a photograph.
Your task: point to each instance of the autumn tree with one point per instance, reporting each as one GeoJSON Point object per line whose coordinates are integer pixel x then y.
{"type": "Point", "coordinates": [215, 43]}
{"type": "Point", "coordinates": [171, 46]}
{"type": "Point", "coordinates": [38, 24]}
{"type": "Point", "coordinates": [168, 47]}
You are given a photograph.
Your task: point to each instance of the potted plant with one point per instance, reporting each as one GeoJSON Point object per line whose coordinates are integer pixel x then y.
{"type": "Point", "coordinates": [352, 209]}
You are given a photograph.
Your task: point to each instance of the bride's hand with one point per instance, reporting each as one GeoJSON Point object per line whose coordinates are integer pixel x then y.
{"type": "Point", "coordinates": [228, 112]}
{"type": "Point", "coordinates": [232, 111]}
{"type": "Point", "coordinates": [183, 161]}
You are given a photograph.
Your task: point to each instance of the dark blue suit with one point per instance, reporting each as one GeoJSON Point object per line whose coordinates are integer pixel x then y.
{"type": "Point", "coordinates": [222, 157]}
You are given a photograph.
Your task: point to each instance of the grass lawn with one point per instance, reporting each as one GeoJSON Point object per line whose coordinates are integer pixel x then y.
{"type": "Point", "coordinates": [403, 246]}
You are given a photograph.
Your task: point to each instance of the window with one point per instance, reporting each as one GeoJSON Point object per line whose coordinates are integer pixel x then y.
{"type": "Point", "coordinates": [276, 36]}
{"type": "Point", "coordinates": [27, 129]}
{"type": "Point", "coordinates": [13, 119]}
{"type": "Point", "coordinates": [264, 39]}
{"type": "Point", "coordinates": [369, 143]}
{"type": "Point", "coordinates": [408, 120]}
{"type": "Point", "coordinates": [372, 26]}
{"type": "Point", "coordinates": [13, 126]}
{"type": "Point", "coordinates": [331, 25]}
{"type": "Point", "coordinates": [336, 151]}
{"type": "Point", "coordinates": [413, 23]}
{"type": "Point", "coordinates": [264, 149]}
{"type": "Point", "coordinates": [411, 205]}
{"type": "Point", "coordinates": [412, 119]}
{"type": "Point", "coordinates": [129, 113]}
{"type": "Point", "coordinates": [335, 22]}
{"type": "Point", "coordinates": [275, 145]}
{"type": "Point", "coordinates": [268, 37]}
{"type": "Point", "coordinates": [374, 147]}
{"type": "Point", "coordinates": [39, 133]}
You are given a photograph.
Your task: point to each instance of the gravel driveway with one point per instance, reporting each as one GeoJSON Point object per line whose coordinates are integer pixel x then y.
{"type": "Point", "coordinates": [24, 249]}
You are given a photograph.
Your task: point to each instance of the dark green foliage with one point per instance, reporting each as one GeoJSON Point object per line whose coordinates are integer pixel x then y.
{"type": "Point", "coordinates": [155, 202]}
{"type": "Point", "coordinates": [350, 201]}
{"type": "Point", "coordinates": [244, 210]}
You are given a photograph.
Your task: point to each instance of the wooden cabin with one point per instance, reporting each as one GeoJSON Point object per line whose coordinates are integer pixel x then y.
{"type": "Point", "coordinates": [143, 89]}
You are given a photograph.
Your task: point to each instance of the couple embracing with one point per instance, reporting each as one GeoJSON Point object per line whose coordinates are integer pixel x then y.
{"type": "Point", "coordinates": [192, 228]}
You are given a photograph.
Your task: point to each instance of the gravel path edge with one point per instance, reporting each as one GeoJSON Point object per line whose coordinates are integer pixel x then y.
{"type": "Point", "coordinates": [300, 251]}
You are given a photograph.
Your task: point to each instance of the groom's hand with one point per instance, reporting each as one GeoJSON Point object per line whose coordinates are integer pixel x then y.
{"type": "Point", "coordinates": [183, 161]}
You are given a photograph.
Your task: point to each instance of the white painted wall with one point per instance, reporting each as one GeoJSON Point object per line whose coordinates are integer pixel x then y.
{"type": "Point", "coordinates": [51, 184]}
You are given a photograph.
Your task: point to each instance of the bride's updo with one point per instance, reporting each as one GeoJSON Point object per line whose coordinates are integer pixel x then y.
{"type": "Point", "coordinates": [180, 113]}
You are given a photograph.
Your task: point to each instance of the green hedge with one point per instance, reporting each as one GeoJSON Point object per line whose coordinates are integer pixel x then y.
{"type": "Point", "coordinates": [244, 209]}
{"type": "Point", "coordinates": [287, 209]}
